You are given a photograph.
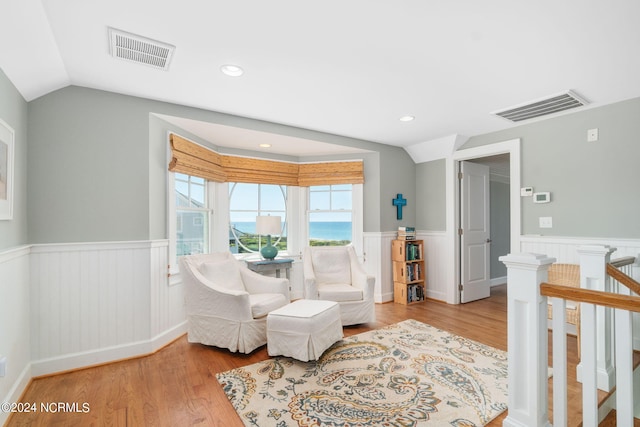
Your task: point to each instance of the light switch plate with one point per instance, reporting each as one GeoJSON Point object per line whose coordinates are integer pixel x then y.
{"type": "Point", "coordinates": [545, 222]}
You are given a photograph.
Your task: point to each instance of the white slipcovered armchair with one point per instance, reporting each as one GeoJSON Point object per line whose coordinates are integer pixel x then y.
{"type": "Point", "coordinates": [334, 273]}
{"type": "Point", "coordinates": [227, 304]}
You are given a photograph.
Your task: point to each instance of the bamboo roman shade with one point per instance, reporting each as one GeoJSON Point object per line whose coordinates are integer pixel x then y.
{"type": "Point", "coordinates": [192, 159]}
{"type": "Point", "coordinates": [331, 173]}
{"type": "Point", "coordinates": [242, 169]}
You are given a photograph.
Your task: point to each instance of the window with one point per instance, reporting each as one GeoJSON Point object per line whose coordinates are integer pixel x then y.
{"type": "Point", "coordinates": [192, 215]}
{"type": "Point", "coordinates": [330, 215]}
{"type": "Point", "coordinates": [246, 201]}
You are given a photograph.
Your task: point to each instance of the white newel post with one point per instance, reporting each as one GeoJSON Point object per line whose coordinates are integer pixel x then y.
{"type": "Point", "coordinates": [593, 275]}
{"type": "Point", "coordinates": [527, 340]}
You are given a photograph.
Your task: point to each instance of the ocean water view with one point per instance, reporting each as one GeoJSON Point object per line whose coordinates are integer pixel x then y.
{"type": "Point", "coordinates": [325, 230]}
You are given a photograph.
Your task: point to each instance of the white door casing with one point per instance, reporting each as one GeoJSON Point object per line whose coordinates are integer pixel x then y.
{"type": "Point", "coordinates": [475, 243]}
{"type": "Point", "coordinates": [451, 262]}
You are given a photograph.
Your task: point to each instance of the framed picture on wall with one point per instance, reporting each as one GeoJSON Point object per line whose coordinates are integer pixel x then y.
{"type": "Point", "coordinates": [6, 170]}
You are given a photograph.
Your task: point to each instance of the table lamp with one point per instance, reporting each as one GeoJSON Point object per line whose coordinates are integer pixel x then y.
{"type": "Point", "coordinates": [268, 225]}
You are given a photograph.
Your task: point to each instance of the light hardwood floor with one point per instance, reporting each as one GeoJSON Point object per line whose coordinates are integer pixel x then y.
{"type": "Point", "coordinates": [177, 386]}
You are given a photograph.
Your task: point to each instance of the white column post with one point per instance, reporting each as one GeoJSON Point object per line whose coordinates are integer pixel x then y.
{"type": "Point", "coordinates": [593, 275]}
{"type": "Point", "coordinates": [527, 340]}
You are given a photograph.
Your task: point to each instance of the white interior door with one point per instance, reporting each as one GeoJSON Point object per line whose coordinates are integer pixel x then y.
{"type": "Point", "coordinates": [475, 243]}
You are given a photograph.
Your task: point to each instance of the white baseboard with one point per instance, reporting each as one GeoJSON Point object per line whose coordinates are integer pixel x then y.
{"type": "Point", "coordinates": [106, 355]}
{"type": "Point", "coordinates": [436, 295]}
{"type": "Point", "coordinates": [382, 298]}
{"type": "Point", "coordinates": [16, 391]}
{"type": "Point", "coordinates": [498, 281]}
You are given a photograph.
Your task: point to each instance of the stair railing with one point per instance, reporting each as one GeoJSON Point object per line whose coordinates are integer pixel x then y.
{"type": "Point", "coordinates": [601, 309]}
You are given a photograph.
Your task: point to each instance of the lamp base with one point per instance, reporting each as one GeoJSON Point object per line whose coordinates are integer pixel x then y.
{"type": "Point", "coordinates": [269, 251]}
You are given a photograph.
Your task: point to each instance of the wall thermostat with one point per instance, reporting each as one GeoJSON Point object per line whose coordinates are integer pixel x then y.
{"type": "Point", "coordinates": [543, 197]}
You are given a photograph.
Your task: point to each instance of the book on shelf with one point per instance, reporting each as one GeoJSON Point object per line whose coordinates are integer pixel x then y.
{"type": "Point", "coordinates": [413, 252]}
{"type": "Point", "coordinates": [406, 237]}
{"type": "Point", "coordinates": [415, 293]}
{"type": "Point", "coordinates": [414, 272]}
{"type": "Point", "coordinates": [406, 233]}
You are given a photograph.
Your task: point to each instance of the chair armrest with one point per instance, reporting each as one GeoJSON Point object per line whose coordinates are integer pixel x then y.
{"type": "Point", "coordinates": [256, 283]}
{"type": "Point", "coordinates": [310, 285]}
{"type": "Point", "coordinates": [360, 278]}
{"type": "Point", "coordinates": [206, 299]}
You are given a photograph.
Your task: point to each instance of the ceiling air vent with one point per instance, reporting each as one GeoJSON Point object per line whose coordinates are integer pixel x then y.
{"type": "Point", "coordinates": [553, 104]}
{"type": "Point", "coordinates": [142, 50]}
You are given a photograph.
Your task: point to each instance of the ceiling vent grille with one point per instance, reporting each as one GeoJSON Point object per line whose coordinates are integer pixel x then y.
{"type": "Point", "coordinates": [134, 48]}
{"type": "Point", "coordinates": [542, 107]}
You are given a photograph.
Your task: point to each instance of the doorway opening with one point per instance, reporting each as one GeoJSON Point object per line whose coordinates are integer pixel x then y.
{"type": "Point", "coordinates": [484, 224]}
{"type": "Point", "coordinates": [510, 148]}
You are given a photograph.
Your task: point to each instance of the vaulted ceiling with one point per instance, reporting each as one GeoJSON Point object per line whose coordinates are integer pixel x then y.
{"type": "Point", "coordinates": [350, 68]}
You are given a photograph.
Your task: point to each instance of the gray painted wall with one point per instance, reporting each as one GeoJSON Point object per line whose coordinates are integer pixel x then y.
{"type": "Point", "coordinates": [88, 167]}
{"type": "Point", "coordinates": [500, 227]}
{"type": "Point", "coordinates": [431, 196]}
{"type": "Point", "coordinates": [13, 111]}
{"type": "Point", "coordinates": [397, 175]}
{"type": "Point", "coordinates": [593, 184]}
{"type": "Point", "coordinates": [97, 162]}
{"type": "Point", "coordinates": [97, 167]}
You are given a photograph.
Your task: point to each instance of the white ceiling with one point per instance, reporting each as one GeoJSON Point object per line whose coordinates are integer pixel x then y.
{"type": "Point", "coordinates": [349, 68]}
{"type": "Point", "coordinates": [246, 139]}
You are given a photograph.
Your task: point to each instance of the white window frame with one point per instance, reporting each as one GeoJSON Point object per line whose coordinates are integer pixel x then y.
{"type": "Point", "coordinates": [172, 215]}
{"type": "Point", "coordinates": [297, 225]}
{"type": "Point", "coordinates": [297, 220]}
{"type": "Point", "coordinates": [357, 217]}
{"type": "Point", "coordinates": [248, 255]}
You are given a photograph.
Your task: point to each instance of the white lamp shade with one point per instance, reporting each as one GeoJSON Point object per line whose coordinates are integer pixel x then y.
{"type": "Point", "coordinates": [268, 225]}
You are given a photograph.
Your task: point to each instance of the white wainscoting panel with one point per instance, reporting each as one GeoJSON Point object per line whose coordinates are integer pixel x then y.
{"type": "Point", "coordinates": [377, 262]}
{"type": "Point", "coordinates": [15, 335]}
{"type": "Point", "coordinates": [97, 302]}
{"type": "Point", "coordinates": [167, 302]}
{"type": "Point", "coordinates": [436, 255]}
{"type": "Point", "coordinates": [565, 250]}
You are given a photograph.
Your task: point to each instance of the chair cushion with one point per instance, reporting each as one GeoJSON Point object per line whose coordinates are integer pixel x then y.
{"type": "Point", "coordinates": [331, 266]}
{"type": "Point", "coordinates": [225, 274]}
{"type": "Point", "coordinates": [339, 293]}
{"type": "Point", "coordinates": [262, 304]}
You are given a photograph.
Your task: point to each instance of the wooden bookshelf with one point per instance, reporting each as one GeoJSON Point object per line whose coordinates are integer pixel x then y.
{"type": "Point", "coordinates": [409, 273]}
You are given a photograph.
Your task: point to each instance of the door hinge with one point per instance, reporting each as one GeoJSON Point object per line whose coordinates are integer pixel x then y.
{"type": "Point", "coordinates": [460, 232]}
{"type": "Point", "coordinates": [460, 287]}
{"type": "Point", "coordinates": [459, 175]}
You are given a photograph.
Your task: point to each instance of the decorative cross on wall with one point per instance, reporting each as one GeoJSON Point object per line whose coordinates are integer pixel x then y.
{"type": "Point", "coordinates": [399, 202]}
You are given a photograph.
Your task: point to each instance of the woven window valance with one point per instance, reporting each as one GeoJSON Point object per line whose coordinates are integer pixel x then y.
{"type": "Point", "coordinates": [331, 173]}
{"type": "Point", "coordinates": [192, 159]}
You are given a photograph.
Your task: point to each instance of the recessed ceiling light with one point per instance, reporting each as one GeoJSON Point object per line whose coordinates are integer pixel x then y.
{"type": "Point", "coordinates": [265, 145]}
{"type": "Point", "coordinates": [232, 70]}
{"type": "Point", "coordinates": [406, 118]}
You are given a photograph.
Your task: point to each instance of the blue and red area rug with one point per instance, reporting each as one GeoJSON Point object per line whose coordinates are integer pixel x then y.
{"type": "Point", "coordinates": [406, 374]}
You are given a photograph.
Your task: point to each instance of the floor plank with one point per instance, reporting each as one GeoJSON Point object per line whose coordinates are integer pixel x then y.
{"type": "Point", "coordinates": [177, 387]}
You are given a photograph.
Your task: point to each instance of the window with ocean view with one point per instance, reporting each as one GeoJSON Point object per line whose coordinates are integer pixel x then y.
{"type": "Point", "coordinates": [246, 201]}
{"type": "Point", "coordinates": [192, 215]}
{"type": "Point", "coordinates": [330, 215]}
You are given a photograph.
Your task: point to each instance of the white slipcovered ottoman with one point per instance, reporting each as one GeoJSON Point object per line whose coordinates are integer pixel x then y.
{"type": "Point", "coordinates": [303, 329]}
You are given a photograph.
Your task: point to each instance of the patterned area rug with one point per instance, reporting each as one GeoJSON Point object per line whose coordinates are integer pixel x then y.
{"type": "Point", "coordinates": [406, 374]}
